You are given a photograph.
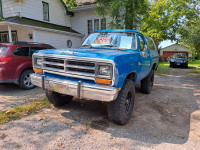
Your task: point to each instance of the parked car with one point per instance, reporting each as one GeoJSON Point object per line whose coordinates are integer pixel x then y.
{"type": "Point", "coordinates": [106, 68]}
{"type": "Point", "coordinates": [16, 62]}
{"type": "Point", "coordinates": [179, 59]}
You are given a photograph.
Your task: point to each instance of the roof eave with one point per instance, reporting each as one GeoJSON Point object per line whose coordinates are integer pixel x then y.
{"type": "Point", "coordinates": [41, 28]}
{"type": "Point", "coordinates": [70, 13]}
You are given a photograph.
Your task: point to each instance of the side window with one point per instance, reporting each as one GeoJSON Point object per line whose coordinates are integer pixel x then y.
{"type": "Point", "coordinates": [142, 43]}
{"type": "Point", "coordinates": [22, 51]}
{"type": "Point", "coordinates": [151, 44]}
{"type": "Point", "coordinates": [33, 49]}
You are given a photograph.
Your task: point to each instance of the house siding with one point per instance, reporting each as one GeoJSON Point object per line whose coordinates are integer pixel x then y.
{"type": "Point", "coordinates": [57, 14]}
{"type": "Point", "coordinates": [10, 8]}
{"type": "Point", "coordinates": [34, 10]}
{"type": "Point", "coordinates": [57, 40]}
{"type": "Point", "coordinates": [80, 21]}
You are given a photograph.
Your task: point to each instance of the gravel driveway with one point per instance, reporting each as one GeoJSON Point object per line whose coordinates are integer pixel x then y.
{"type": "Point", "coordinates": [168, 118]}
{"type": "Point", "coordinates": [11, 96]}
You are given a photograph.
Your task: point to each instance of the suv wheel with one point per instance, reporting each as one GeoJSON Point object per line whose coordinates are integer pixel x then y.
{"type": "Point", "coordinates": [147, 83]}
{"type": "Point", "coordinates": [58, 99]}
{"type": "Point", "coordinates": [120, 110]}
{"type": "Point", "coordinates": [25, 80]}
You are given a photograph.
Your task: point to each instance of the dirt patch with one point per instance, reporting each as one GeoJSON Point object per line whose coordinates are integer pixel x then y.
{"type": "Point", "coordinates": [11, 96]}
{"type": "Point", "coordinates": [168, 118]}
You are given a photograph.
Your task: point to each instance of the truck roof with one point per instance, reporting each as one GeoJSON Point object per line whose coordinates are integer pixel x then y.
{"type": "Point", "coordinates": [117, 30]}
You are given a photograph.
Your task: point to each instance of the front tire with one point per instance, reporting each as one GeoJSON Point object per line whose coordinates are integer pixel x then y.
{"type": "Point", "coordinates": [147, 83]}
{"type": "Point", "coordinates": [120, 110]}
{"type": "Point", "coordinates": [58, 99]}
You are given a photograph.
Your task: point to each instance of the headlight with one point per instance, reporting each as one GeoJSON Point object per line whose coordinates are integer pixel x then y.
{"type": "Point", "coordinates": [38, 62]}
{"type": "Point", "coordinates": [105, 71]}
{"type": "Point", "coordinates": [172, 60]}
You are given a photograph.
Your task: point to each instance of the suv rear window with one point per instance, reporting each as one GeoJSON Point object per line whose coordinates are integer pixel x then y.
{"type": "Point", "coordinates": [3, 49]}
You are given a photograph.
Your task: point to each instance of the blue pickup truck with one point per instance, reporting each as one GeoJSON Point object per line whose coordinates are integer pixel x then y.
{"type": "Point", "coordinates": [105, 68]}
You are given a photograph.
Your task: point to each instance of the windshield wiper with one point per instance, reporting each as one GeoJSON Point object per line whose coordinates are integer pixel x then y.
{"type": "Point", "coordinates": [104, 46]}
{"type": "Point", "coordinates": [86, 46]}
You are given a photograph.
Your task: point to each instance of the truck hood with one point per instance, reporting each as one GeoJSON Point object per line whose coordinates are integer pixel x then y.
{"type": "Point", "coordinates": [90, 53]}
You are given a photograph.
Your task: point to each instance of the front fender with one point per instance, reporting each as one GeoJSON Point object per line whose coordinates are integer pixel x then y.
{"type": "Point", "coordinates": [125, 65]}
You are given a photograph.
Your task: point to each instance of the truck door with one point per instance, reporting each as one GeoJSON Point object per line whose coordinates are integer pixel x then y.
{"type": "Point", "coordinates": [144, 60]}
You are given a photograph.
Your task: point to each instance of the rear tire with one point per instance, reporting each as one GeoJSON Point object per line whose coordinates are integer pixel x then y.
{"type": "Point", "coordinates": [25, 80]}
{"type": "Point", "coordinates": [58, 99]}
{"type": "Point", "coordinates": [120, 110]}
{"type": "Point", "coordinates": [147, 83]}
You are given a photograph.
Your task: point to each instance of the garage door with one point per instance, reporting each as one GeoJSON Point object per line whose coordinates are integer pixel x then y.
{"type": "Point", "coordinates": [168, 54]}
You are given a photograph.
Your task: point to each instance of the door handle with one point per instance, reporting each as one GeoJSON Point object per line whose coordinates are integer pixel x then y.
{"type": "Point", "coordinates": [139, 64]}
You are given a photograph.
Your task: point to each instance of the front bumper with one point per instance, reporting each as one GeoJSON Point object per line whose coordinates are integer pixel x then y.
{"type": "Point", "coordinates": [179, 63]}
{"type": "Point", "coordinates": [73, 88]}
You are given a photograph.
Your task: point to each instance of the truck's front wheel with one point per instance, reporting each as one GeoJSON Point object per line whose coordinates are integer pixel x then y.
{"type": "Point", "coordinates": [120, 110]}
{"type": "Point", "coordinates": [58, 99]}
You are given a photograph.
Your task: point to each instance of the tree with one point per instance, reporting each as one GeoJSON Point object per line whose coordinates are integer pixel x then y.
{"type": "Point", "coordinates": [123, 13]}
{"type": "Point", "coordinates": [165, 17]}
{"type": "Point", "coordinates": [190, 36]}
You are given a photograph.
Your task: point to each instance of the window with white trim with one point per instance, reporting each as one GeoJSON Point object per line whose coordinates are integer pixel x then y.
{"type": "Point", "coordinates": [45, 11]}
{"type": "Point", "coordinates": [90, 26]}
{"type": "Point", "coordinates": [96, 24]}
{"type": "Point", "coordinates": [1, 9]}
{"type": "Point", "coordinates": [4, 36]}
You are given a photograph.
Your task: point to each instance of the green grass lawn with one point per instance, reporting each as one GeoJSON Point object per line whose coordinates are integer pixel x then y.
{"type": "Point", "coordinates": [164, 68]}
{"type": "Point", "coordinates": [195, 63]}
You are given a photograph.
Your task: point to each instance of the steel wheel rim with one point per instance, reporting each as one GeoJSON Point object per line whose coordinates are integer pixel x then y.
{"type": "Point", "coordinates": [128, 101]}
{"type": "Point", "coordinates": [27, 81]}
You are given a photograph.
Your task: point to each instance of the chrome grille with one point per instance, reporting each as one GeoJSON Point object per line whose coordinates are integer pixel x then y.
{"type": "Point", "coordinates": [71, 67]}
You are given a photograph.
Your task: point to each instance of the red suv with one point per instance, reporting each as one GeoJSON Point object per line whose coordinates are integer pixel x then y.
{"type": "Point", "coordinates": [16, 62]}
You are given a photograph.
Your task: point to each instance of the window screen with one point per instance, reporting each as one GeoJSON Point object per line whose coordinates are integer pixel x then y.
{"type": "Point", "coordinates": [1, 10]}
{"type": "Point", "coordinates": [45, 11]}
{"type": "Point", "coordinates": [4, 37]}
{"type": "Point", "coordinates": [103, 24]}
{"type": "Point", "coordinates": [22, 51]}
{"type": "Point", "coordinates": [90, 26]}
{"type": "Point", "coordinates": [96, 24]}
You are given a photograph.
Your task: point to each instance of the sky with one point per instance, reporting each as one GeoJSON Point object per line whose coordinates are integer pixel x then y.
{"type": "Point", "coordinates": [166, 43]}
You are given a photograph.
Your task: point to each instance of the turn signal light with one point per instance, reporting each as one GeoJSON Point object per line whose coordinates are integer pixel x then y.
{"type": "Point", "coordinates": [38, 70]}
{"type": "Point", "coordinates": [103, 81]}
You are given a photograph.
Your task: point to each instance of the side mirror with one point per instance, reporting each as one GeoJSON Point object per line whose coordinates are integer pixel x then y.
{"type": "Point", "coordinates": [145, 48]}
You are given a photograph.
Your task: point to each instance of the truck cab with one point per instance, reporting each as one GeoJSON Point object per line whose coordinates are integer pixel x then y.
{"type": "Point", "coordinates": [105, 68]}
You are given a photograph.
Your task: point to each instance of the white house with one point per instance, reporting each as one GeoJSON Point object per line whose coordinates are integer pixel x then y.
{"type": "Point", "coordinates": [85, 20]}
{"type": "Point", "coordinates": [175, 48]}
{"type": "Point", "coordinates": [45, 21]}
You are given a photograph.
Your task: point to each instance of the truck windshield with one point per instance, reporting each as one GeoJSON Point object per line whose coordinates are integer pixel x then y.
{"type": "Point", "coordinates": [3, 49]}
{"type": "Point", "coordinates": [111, 40]}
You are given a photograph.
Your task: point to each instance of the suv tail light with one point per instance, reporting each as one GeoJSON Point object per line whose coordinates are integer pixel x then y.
{"type": "Point", "coordinates": [4, 60]}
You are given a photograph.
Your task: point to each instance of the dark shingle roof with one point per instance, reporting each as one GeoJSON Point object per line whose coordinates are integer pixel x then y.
{"type": "Point", "coordinates": [36, 23]}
